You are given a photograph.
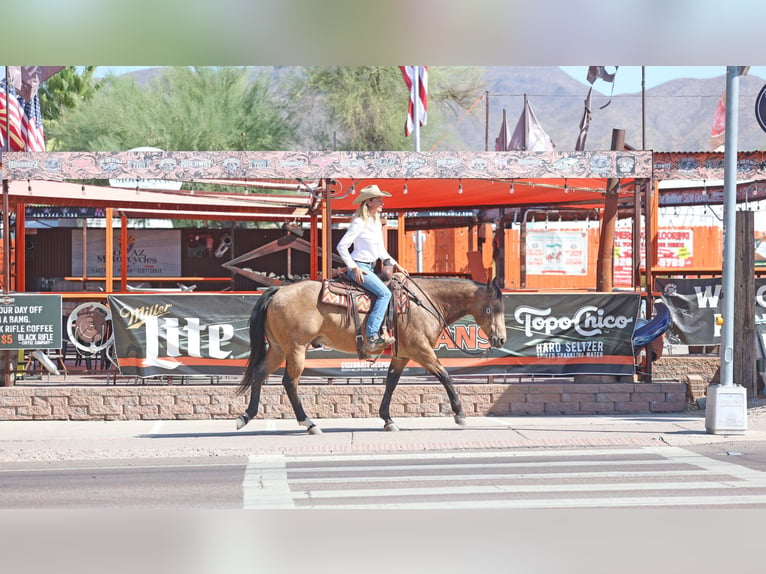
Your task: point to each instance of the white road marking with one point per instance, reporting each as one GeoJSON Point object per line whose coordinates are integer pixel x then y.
{"type": "Point", "coordinates": [265, 482]}
{"type": "Point", "coordinates": [727, 483]}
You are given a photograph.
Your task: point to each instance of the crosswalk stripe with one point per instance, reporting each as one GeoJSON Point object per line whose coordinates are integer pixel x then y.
{"type": "Point", "coordinates": [265, 482]}
{"type": "Point", "coordinates": [622, 477]}
{"type": "Point", "coordinates": [500, 503]}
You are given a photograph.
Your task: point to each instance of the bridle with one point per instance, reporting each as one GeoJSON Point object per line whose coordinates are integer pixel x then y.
{"type": "Point", "coordinates": [433, 309]}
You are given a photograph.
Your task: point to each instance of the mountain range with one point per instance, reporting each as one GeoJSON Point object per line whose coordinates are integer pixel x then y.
{"type": "Point", "coordinates": [676, 116]}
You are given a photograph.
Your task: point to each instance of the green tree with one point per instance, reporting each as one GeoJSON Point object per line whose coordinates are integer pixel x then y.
{"type": "Point", "coordinates": [64, 91]}
{"type": "Point", "coordinates": [365, 107]}
{"type": "Point", "coordinates": [185, 109]}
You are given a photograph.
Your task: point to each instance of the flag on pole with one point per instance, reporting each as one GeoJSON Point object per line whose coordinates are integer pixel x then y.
{"type": "Point", "coordinates": [420, 99]}
{"type": "Point", "coordinates": [718, 132]}
{"type": "Point", "coordinates": [22, 101]}
{"type": "Point", "coordinates": [503, 140]}
{"type": "Point", "coordinates": [529, 134]}
{"type": "Point", "coordinates": [10, 117]}
{"type": "Point", "coordinates": [596, 72]}
{"type": "Point", "coordinates": [584, 123]}
{"type": "Point", "coordinates": [32, 125]}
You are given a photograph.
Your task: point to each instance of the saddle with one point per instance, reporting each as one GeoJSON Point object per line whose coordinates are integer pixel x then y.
{"type": "Point", "coordinates": [343, 292]}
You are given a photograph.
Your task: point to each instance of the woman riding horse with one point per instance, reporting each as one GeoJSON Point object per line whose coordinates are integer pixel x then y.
{"type": "Point", "coordinates": [366, 235]}
{"type": "Point", "coordinates": [288, 320]}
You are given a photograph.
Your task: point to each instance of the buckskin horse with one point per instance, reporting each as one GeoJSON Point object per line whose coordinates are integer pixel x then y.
{"type": "Point", "coordinates": [288, 319]}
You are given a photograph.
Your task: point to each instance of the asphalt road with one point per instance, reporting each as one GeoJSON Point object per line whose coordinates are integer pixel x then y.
{"type": "Point", "coordinates": [724, 475]}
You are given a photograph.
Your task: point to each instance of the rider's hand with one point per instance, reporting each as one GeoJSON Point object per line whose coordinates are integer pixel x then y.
{"type": "Point", "coordinates": [398, 267]}
{"type": "Point", "coordinates": [358, 275]}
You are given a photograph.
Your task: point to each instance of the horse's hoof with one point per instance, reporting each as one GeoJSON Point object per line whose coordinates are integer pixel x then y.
{"type": "Point", "coordinates": [460, 420]}
{"type": "Point", "coordinates": [313, 429]}
{"type": "Point", "coordinates": [391, 427]}
{"type": "Point", "coordinates": [241, 421]}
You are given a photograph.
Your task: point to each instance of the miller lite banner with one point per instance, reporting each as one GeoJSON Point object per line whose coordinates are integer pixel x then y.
{"type": "Point", "coordinates": [207, 334]}
{"type": "Point", "coordinates": [189, 334]}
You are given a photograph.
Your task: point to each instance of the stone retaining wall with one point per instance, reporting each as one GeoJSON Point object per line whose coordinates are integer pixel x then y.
{"type": "Point", "coordinates": [217, 401]}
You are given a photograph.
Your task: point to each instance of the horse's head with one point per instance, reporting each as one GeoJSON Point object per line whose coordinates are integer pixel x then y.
{"type": "Point", "coordinates": [490, 313]}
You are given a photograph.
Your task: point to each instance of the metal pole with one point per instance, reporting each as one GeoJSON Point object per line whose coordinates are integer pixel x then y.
{"type": "Point", "coordinates": [486, 122]}
{"type": "Point", "coordinates": [729, 218]}
{"type": "Point", "coordinates": [726, 403]}
{"type": "Point", "coordinates": [643, 107]}
{"type": "Point", "coordinates": [415, 111]}
{"type": "Point", "coordinates": [419, 236]}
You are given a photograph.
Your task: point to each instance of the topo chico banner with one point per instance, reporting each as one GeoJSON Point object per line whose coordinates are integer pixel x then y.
{"type": "Point", "coordinates": [206, 334]}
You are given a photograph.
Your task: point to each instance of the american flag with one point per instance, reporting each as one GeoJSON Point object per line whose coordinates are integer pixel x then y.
{"type": "Point", "coordinates": [32, 125]}
{"type": "Point", "coordinates": [408, 72]}
{"type": "Point", "coordinates": [11, 115]}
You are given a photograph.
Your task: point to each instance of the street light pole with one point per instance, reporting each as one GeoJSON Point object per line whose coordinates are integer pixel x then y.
{"type": "Point", "coordinates": [726, 405]}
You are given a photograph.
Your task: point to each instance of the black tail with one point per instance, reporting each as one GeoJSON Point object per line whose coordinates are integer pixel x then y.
{"type": "Point", "coordinates": [257, 338]}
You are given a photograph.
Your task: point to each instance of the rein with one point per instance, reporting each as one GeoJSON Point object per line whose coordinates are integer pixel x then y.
{"type": "Point", "coordinates": [434, 310]}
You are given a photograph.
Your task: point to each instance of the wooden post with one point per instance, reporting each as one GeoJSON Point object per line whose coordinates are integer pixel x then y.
{"type": "Point", "coordinates": [401, 238]}
{"type": "Point", "coordinates": [8, 379]}
{"type": "Point", "coordinates": [20, 252]}
{"type": "Point", "coordinates": [327, 233]}
{"type": "Point", "coordinates": [605, 264]}
{"type": "Point", "coordinates": [523, 250]}
{"type": "Point", "coordinates": [109, 255]}
{"type": "Point", "coordinates": [314, 240]}
{"type": "Point", "coordinates": [638, 191]}
{"type": "Point", "coordinates": [744, 308]}
{"type": "Point", "coordinates": [498, 249]}
{"type": "Point", "coordinates": [123, 254]}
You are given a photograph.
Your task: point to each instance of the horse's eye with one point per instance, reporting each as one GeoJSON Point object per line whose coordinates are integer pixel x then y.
{"type": "Point", "coordinates": [489, 310]}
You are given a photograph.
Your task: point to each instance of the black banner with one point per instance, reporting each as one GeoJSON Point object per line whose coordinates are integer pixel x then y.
{"type": "Point", "coordinates": [563, 334]}
{"type": "Point", "coordinates": [187, 334]}
{"type": "Point", "coordinates": [696, 306]}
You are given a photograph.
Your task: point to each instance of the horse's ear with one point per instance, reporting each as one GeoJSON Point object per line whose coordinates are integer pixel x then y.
{"type": "Point", "coordinates": [494, 287]}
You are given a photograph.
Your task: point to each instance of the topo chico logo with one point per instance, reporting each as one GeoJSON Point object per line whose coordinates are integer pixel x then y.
{"type": "Point", "coordinates": [586, 321]}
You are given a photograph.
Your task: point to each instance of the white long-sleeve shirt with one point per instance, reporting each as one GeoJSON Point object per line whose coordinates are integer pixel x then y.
{"type": "Point", "coordinates": [367, 239]}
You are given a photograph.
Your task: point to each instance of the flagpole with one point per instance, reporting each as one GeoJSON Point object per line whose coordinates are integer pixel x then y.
{"type": "Point", "coordinates": [643, 107]}
{"type": "Point", "coordinates": [415, 111]}
{"type": "Point", "coordinates": [419, 234]}
{"type": "Point", "coordinates": [7, 142]}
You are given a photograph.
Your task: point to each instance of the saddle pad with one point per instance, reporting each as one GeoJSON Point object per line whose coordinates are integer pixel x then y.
{"type": "Point", "coordinates": [339, 294]}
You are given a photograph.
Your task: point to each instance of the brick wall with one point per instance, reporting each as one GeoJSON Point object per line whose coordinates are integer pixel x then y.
{"type": "Point", "coordinates": [218, 401]}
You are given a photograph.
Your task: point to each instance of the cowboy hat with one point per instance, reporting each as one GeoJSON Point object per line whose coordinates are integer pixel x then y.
{"type": "Point", "coordinates": [369, 192]}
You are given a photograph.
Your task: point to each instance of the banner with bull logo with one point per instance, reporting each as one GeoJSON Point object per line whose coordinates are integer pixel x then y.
{"type": "Point", "coordinates": [696, 306]}
{"type": "Point", "coordinates": [207, 334]}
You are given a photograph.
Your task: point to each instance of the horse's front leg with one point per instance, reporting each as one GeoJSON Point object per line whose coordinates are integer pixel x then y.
{"type": "Point", "coordinates": [457, 407]}
{"type": "Point", "coordinates": [392, 379]}
{"type": "Point", "coordinates": [290, 380]}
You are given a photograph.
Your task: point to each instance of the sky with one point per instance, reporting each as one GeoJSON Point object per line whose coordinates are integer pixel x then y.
{"type": "Point", "coordinates": [627, 80]}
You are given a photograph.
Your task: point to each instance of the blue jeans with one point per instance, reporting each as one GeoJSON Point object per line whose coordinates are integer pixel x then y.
{"type": "Point", "coordinates": [381, 294]}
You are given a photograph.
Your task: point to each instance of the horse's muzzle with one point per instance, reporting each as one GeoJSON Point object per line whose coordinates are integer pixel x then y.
{"type": "Point", "coordinates": [496, 341]}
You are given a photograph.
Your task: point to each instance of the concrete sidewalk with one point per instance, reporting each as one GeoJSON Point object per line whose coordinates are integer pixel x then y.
{"type": "Point", "coordinates": [90, 440]}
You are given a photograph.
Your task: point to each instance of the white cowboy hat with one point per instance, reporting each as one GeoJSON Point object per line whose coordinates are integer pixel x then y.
{"type": "Point", "coordinates": [369, 192]}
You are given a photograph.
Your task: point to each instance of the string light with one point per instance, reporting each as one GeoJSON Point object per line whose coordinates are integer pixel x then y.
{"type": "Point", "coordinates": [460, 186]}
{"type": "Point", "coordinates": [511, 189]}
{"type": "Point", "coordinates": [404, 189]}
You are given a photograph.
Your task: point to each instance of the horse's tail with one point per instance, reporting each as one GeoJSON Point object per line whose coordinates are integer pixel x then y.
{"type": "Point", "coordinates": [257, 338]}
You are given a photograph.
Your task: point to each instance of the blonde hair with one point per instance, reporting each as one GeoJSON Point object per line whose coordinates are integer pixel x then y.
{"type": "Point", "coordinates": [363, 212]}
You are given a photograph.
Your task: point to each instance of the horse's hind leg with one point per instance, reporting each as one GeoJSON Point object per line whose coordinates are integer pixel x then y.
{"type": "Point", "coordinates": [270, 364]}
{"type": "Point", "coordinates": [392, 379]}
{"type": "Point", "coordinates": [290, 380]}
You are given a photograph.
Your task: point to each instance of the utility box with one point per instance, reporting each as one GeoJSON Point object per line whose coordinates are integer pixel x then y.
{"type": "Point", "coordinates": [726, 409]}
